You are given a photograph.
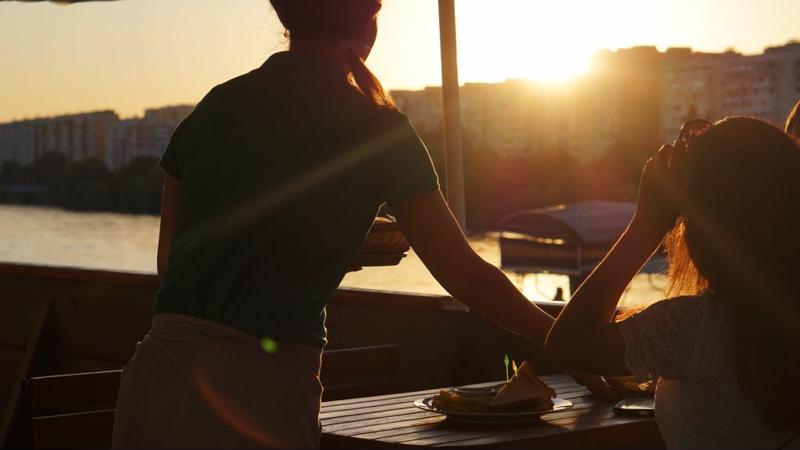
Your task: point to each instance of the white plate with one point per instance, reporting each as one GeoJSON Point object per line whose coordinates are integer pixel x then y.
{"type": "Point", "coordinates": [485, 391]}
{"type": "Point", "coordinates": [559, 404]}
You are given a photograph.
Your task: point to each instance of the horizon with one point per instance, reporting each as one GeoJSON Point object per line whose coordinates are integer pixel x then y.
{"type": "Point", "coordinates": [176, 56]}
{"type": "Point", "coordinates": [567, 79]}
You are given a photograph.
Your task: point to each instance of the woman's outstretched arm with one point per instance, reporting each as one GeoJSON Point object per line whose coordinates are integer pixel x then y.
{"type": "Point", "coordinates": [437, 238]}
{"type": "Point", "coordinates": [169, 203]}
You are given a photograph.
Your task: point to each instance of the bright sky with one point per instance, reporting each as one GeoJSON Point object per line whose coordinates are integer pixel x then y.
{"type": "Point", "coordinates": [132, 54]}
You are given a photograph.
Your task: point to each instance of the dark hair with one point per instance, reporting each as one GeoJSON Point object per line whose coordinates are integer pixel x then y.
{"type": "Point", "coordinates": [793, 121]}
{"type": "Point", "coordinates": [336, 20]}
{"type": "Point", "coordinates": [738, 241]}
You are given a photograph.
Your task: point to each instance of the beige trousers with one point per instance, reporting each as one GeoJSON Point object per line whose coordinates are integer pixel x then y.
{"type": "Point", "coordinates": [194, 383]}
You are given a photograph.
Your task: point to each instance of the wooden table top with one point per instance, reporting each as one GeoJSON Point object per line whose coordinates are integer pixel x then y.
{"type": "Point", "coordinates": [391, 421]}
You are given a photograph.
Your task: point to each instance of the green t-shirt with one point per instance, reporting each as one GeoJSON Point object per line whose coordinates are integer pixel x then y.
{"type": "Point", "coordinates": [282, 171]}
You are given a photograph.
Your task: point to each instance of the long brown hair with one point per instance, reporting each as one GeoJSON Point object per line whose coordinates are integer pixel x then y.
{"type": "Point", "coordinates": [337, 21]}
{"type": "Point", "coordinates": [793, 121]}
{"type": "Point", "coordinates": [739, 241]}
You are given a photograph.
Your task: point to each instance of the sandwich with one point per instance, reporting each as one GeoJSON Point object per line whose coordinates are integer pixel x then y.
{"type": "Point", "coordinates": [523, 391]}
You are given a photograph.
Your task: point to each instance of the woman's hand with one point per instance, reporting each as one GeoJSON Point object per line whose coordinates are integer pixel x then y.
{"type": "Point", "coordinates": [662, 191]}
{"type": "Point", "coordinates": [597, 386]}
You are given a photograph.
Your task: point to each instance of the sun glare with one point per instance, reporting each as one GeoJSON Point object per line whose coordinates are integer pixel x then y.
{"type": "Point", "coordinates": [538, 40]}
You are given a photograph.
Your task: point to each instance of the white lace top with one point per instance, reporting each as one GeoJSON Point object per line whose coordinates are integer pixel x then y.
{"type": "Point", "coordinates": [687, 341]}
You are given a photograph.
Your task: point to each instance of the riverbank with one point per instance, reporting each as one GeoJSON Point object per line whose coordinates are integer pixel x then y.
{"type": "Point", "coordinates": [85, 185]}
{"type": "Point", "coordinates": [128, 242]}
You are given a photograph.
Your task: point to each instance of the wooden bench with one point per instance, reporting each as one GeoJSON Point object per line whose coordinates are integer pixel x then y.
{"type": "Point", "coordinates": [72, 410]}
{"type": "Point", "coordinates": [359, 372]}
{"type": "Point", "coordinates": [77, 410]}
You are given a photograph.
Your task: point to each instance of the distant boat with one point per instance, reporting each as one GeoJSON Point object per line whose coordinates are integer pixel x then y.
{"type": "Point", "coordinates": [566, 239]}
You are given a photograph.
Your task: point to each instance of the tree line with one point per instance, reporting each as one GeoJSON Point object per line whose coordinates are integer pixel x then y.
{"type": "Point", "coordinates": [495, 186]}
{"type": "Point", "coordinates": [85, 185]}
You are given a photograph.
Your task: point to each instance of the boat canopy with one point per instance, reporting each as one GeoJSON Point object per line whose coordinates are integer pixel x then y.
{"type": "Point", "coordinates": [590, 222]}
{"type": "Point", "coordinates": [568, 239]}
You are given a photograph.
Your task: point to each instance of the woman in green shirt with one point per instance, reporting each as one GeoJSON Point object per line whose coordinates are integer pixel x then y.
{"type": "Point", "coordinates": [272, 185]}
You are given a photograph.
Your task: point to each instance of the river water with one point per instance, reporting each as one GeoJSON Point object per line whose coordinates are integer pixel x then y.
{"type": "Point", "coordinates": [124, 242]}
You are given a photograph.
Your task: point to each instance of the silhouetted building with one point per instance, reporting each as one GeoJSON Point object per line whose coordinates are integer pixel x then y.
{"type": "Point", "coordinates": [144, 136]}
{"type": "Point", "coordinates": [158, 126]}
{"type": "Point", "coordinates": [519, 117]}
{"type": "Point", "coordinates": [713, 86]}
{"type": "Point", "coordinates": [513, 118]}
{"type": "Point", "coordinates": [123, 142]}
{"type": "Point", "coordinates": [99, 134]}
{"type": "Point", "coordinates": [423, 107]}
{"type": "Point", "coordinates": [627, 85]}
{"type": "Point", "coordinates": [634, 99]}
{"type": "Point", "coordinates": [76, 136]}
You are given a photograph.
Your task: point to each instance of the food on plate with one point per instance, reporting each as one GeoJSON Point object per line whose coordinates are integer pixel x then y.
{"type": "Point", "coordinates": [523, 392]}
{"type": "Point", "coordinates": [632, 385]}
{"type": "Point", "coordinates": [453, 401]}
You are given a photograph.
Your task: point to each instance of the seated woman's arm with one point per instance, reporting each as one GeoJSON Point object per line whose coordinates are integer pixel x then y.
{"type": "Point", "coordinates": [437, 238]}
{"type": "Point", "coordinates": [585, 338]}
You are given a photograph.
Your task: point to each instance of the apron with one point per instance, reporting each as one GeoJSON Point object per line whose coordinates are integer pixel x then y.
{"type": "Point", "coordinates": [194, 383]}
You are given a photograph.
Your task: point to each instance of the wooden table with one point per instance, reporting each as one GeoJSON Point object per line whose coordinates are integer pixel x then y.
{"type": "Point", "coordinates": [391, 421]}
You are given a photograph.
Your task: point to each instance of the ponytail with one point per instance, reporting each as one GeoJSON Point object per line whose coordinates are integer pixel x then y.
{"type": "Point", "coordinates": [366, 82]}
{"type": "Point", "coordinates": [332, 21]}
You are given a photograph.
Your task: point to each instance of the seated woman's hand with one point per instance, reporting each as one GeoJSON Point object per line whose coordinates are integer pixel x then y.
{"type": "Point", "coordinates": [662, 190]}
{"type": "Point", "coordinates": [597, 386]}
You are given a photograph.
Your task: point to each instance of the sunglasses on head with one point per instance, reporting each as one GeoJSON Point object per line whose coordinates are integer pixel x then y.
{"type": "Point", "coordinates": [694, 128]}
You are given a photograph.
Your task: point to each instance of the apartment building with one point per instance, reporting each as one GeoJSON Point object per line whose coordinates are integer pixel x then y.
{"type": "Point", "coordinates": [513, 118]}
{"type": "Point", "coordinates": [635, 99]}
{"type": "Point", "coordinates": [98, 134]}
{"type": "Point", "coordinates": [76, 136]}
{"type": "Point", "coordinates": [713, 86]}
{"type": "Point", "coordinates": [144, 136]}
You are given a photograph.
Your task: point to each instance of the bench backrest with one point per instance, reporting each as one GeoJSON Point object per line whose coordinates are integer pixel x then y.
{"type": "Point", "coordinates": [74, 392]}
{"type": "Point", "coordinates": [77, 410]}
{"type": "Point", "coordinates": [359, 372]}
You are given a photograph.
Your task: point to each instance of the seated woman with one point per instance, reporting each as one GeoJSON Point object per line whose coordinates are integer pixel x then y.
{"type": "Point", "coordinates": [726, 350]}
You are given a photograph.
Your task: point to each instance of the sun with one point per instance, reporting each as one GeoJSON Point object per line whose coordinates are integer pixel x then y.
{"type": "Point", "coordinates": [522, 39]}
{"type": "Point", "coordinates": [554, 66]}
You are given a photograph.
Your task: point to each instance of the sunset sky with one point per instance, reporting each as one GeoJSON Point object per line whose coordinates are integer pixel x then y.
{"type": "Point", "coordinates": [133, 54]}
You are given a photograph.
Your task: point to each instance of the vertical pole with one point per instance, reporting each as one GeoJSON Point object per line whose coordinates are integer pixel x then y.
{"type": "Point", "coordinates": [454, 163]}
